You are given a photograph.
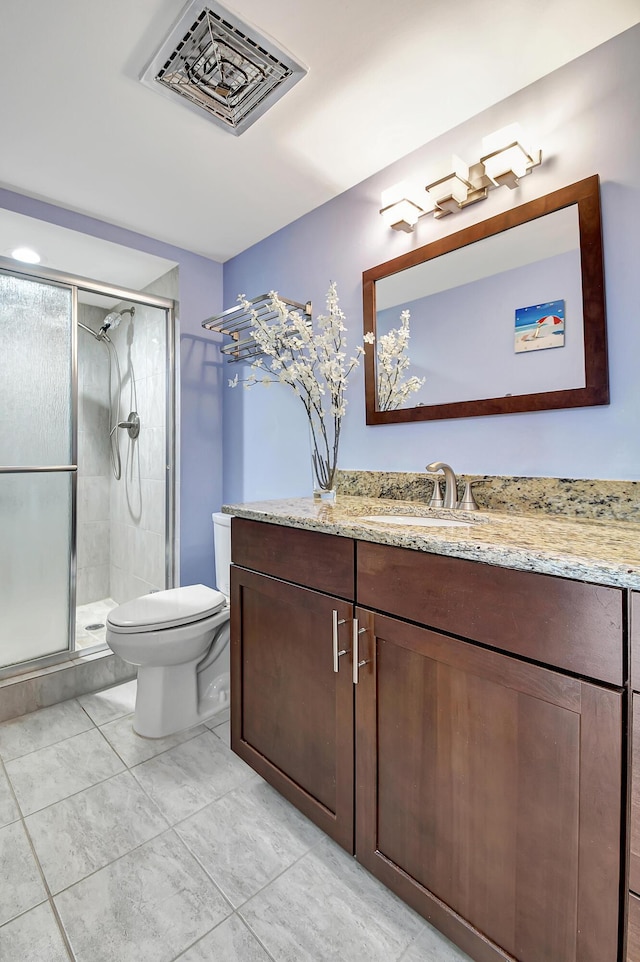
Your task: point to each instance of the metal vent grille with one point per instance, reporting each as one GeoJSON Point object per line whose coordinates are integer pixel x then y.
{"type": "Point", "coordinates": [220, 65]}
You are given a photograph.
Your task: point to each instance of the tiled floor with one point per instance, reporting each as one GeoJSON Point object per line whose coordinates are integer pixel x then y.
{"type": "Point", "coordinates": [116, 848]}
{"type": "Point", "coordinates": [88, 616]}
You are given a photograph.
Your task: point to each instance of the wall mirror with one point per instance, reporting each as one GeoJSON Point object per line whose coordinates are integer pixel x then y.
{"type": "Point", "coordinates": [504, 316]}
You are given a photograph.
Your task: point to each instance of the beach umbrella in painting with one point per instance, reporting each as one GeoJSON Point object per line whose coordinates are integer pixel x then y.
{"type": "Point", "coordinates": [550, 319]}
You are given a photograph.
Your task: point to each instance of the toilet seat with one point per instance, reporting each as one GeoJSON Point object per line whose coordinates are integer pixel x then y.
{"type": "Point", "coordinates": [166, 609]}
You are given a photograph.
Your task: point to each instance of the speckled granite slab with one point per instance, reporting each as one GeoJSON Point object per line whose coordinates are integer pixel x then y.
{"type": "Point", "coordinates": [615, 500]}
{"type": "Point", "coordinates": [604, 552]}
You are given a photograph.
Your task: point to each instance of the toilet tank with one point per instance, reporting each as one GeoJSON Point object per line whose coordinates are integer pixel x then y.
{"type": "Point", "coordinates": [222, 550]}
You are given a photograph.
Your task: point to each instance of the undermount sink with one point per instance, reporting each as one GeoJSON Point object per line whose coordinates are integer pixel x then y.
{"type": "Point", "coordinates": [416, 521]}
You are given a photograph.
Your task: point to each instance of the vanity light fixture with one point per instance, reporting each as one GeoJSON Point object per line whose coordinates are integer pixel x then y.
{"type": "Point", "coordinates": [506, 158]}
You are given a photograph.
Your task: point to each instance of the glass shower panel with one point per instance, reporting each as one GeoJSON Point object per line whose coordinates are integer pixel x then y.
{"type": "Point", "coordinates": [35, 520]}
{"type": "Point", "coordinates": [35, 372]}
{"type": "Point", "coordinates": [37, 475]}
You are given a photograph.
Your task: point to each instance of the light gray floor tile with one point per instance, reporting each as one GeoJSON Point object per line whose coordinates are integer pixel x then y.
{"type": "Point", "coordinates": [25, 734]}
{"type": "Point", "coordinates": [105, 706]}
{"type": "Point", "coordinates": [133, 748]}
{"type": "Point", "coordinates": [326, 908]}
{"type": "Point", "coordinates": [34, 937]}
{"type": "Point", "coordinates": [219, 718]}
{"type": "Point", "coordinates": [231, 941]}
{"type": "Point", "coordinates": [54, 773]}
{"type": "Point", "coordinates": [223, 732]}
{"type": "Point", "coordinates": [148, 906]}
{"type": "Point", "coordinates": [247, 838]}
{"type": "Point", "coordinates": [21, 886]}
{"type": "Point", "coordinates": [83, 638]}
{"type": "Point", "coordinates": [8, 807]}
{"type": "Point", "coordinates": [435, 947]}
{"type": "Point", "coordinates": [185, 779]}
{"type": "Point", "coordinates": [85, 832]}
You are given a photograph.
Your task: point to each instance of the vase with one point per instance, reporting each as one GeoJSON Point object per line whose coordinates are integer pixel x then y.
{"type": "Point", "coordinates": [324, 438]}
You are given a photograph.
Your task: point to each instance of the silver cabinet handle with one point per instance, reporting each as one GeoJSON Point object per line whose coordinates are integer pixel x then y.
{"type": "Point", "coordinates": [336, 653]}
{"type": "Point", "coordinates": [357, 631]}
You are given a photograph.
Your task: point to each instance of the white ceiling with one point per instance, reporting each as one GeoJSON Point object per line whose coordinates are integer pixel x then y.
{"type": "Point", "coordinates": [78, 129]}
{"type": "Point", "coordinates": [81, 255]}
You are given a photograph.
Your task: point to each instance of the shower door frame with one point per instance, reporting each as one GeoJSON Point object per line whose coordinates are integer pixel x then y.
{"type": "Point", "coordinates": [75, 284]}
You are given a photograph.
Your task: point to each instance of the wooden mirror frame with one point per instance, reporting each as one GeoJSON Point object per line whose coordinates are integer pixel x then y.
{"type": "Point", "coordinates": [586, 195]}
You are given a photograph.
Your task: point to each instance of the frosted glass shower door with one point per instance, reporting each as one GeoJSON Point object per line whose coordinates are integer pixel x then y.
{"type": "Point", "coordinates": [37, 473]}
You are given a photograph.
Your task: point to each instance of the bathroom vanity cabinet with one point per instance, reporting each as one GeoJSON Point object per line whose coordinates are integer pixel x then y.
{"type": "Point", "coordinates": [293, 721]}
{"type": "Point", "coordinates": [479, 743]}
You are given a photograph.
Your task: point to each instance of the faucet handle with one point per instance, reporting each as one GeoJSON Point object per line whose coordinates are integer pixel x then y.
{"type": "Point", "coordinates": [437, 501]}
{"type": "Point", "coordinates": [468, 502]}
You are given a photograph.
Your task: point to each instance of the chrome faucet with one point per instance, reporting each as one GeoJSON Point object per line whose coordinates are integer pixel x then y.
{"type": "Point", "coordinates": [451, 483]}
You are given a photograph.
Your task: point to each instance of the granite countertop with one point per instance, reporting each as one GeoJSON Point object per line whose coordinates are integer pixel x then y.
{"type": "Point", "coordinates": [602, 551]}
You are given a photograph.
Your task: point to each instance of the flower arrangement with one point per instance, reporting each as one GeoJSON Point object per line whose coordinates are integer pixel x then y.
{"type": "Point", "coordinates": [393, 361]}
{"type": "Point", "coordinates": [315, 365]}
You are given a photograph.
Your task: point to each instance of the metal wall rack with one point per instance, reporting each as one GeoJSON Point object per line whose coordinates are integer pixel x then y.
{"type": "Point", "coordinates": [236, 323]}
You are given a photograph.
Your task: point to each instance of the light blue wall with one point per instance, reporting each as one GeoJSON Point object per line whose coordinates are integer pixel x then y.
{"type": "Point", "coordinates": [586, 116]}
{"type": "Point", "coordinates": [200, 372]}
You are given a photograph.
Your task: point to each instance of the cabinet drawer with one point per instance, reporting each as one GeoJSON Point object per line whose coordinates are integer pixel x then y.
{"type": "Point", "coordinates": [555, 621]}
{"type": "Point", "coordinates": [633, 930]}
{"type": "Point", "coordinates": [324, 562]}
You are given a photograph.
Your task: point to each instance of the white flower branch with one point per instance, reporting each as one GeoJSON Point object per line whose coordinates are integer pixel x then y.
{"type": "Point", "coordinates": [315, 365]}
{"type": "Point", "coordinates": [393, 361]}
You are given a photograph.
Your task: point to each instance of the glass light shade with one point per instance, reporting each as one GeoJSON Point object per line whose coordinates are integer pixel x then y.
{"type": "Point", "coordinates": [401, 216]}
{"type": "Point", "coordinates": [506, 155]}
{"type": "Point", "coordinates": [402, 205]}
{"type": "Point", "coordinates": [507, 166]}
{"type": "Point", "coordinates": [504, 137]}
{"type": "Point", "coordinates": [450, 191]}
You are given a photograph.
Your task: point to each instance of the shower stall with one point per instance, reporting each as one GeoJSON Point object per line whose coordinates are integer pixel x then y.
{"type": "Point", "coordinates": [87, 460]}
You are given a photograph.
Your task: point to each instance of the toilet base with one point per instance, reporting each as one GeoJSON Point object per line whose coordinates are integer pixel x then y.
{"type": "Point", "coordinates": [166, 699]}
{"type": "Point", "coordinates": [172, 699]}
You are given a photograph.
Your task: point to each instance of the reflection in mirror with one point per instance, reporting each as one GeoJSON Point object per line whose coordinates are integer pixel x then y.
{"type": "Point", "coordinates": [507, 315]}
{"type": "Point", "coordinates": [392, 360]}
{"type": "Point", "coordinates": [463, 314]}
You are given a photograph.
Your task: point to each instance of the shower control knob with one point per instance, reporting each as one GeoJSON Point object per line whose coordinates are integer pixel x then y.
{"type": "Point", "coordinates": [131, 425]}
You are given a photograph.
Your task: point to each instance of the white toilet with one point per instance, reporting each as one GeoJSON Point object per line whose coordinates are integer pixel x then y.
{"type": "Point", "coordinates": [179, 639]}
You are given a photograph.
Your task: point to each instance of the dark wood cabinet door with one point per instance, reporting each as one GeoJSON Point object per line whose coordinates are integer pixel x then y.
{"type": "Point", "coordinates": [633, 933]}
{"type": "Point", "coordinates": [291, 714]}
{"type": "Point", "coordinates": [489, 794]}
{"type": "Point", "coordinates": [634, 821]}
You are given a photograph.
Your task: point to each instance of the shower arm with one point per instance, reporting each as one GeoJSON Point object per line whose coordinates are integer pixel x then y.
{"type": "Point", "coordinates": [98, 337]}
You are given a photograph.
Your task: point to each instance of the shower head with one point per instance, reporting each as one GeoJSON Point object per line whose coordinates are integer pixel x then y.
{"type": "Point", "coordinates": [112, 320]}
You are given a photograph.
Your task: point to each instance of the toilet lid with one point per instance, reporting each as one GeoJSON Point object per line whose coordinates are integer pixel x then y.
{"type": "Point", "coordinates": [165, 609]}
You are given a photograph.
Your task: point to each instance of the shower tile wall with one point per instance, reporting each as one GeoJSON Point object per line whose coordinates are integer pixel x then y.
{"type": "Point", "coordinates": [94, 470]}
{"type": "Point", "coordinates": [137, 502]}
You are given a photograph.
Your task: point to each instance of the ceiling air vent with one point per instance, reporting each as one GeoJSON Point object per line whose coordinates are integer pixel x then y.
{"type": "Point", "coordinates": [217, 63]}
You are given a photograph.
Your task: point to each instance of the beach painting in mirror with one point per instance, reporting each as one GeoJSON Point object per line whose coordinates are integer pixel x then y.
{"type": "Point", "coordinates": [539, 327]}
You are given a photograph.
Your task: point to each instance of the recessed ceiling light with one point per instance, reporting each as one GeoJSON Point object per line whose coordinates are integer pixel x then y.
{"type": "Point", "coordinates": [26, 255]}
